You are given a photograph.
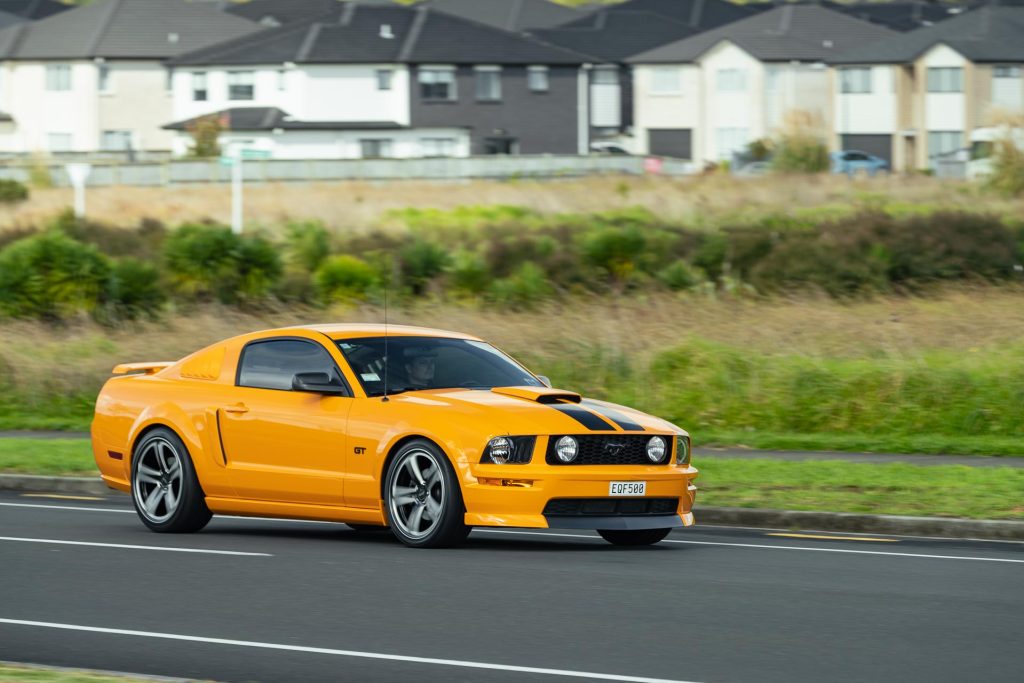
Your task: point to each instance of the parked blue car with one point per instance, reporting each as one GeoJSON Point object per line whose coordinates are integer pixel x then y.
{"type": "Point", "coordinates": [853, 162]}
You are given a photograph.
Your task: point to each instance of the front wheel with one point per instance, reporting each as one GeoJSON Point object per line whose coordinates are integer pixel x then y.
{"type": "Point", "coordinates": [422, 498]}
{"type": "Point", "coordinates": [165, 489]}
{"type": "Point", "coordinates": [635, 537]}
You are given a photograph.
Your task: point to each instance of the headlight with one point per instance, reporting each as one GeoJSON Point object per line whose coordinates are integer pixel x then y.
{"type": "Point", "coordinates": [499, 449]}
{"type": "Point", "coordinates": [682, 450]}
{"type": "Point", "coordinates": [656, 449]}
{"type": "Point", "coordinates": [567, 448]}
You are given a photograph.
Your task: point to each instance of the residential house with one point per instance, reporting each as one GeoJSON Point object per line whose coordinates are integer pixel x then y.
{"type": "Point", "coordinates": [92, 78]}
{"type": "Point", "coordinates": [917, 96]}
{"type": "Point", "coordinates": [898, 16]}
{"type": "Point", "coordinates": [511, 15]}
{"type": "Point", "coordinates": [615, 33]}
{"type": "Point", "coordinates": [707, 97]}
{"type": "Point", "coordinates": [384, 81]}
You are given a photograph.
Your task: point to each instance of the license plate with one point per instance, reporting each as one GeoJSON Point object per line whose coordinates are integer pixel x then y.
{"type": "Point", "coordinates": [627, 488]}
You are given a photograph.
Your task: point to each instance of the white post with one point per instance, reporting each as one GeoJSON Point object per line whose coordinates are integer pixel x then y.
{"type": "Point", "coordinates": [236, 196]}
{"type": "Point", "coordinates": [78, 174]}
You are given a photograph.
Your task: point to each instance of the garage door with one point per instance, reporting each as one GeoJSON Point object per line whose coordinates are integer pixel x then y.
{"type": "Point", "coordinates": [878, 144]}
{"type": "Point", "coordinates": [670, 142]}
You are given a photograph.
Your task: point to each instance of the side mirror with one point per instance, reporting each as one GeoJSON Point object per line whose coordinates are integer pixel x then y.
{"type": "Point", "coordinates": [544, 380]}
{"type": "Point", "coordinates": [316, 383]}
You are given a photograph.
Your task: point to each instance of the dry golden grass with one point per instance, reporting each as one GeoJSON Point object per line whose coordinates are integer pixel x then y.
{"type": "Point", "coordinates": [357, 205]}
{"type": "Point", "coordinates": [77, 356]}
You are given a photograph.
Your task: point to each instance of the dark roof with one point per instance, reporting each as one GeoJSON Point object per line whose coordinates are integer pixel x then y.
{"type": "Point", "coordinates": [899, 16]}
{"type": "Point", "coordinates": [33, 9]}
{"type": "Point", "coordinates": [511, 15]}
{"type": "Point", "coordinates": [271, 118]}
{"type": "Point", "coordinates": [615, 36]}
{"type": "Point", "coordinates": [697, 14]}
{"type": "Point", "coordinates": [280, 12]}
{"type": "Point", "coordinates": [986, 34]}
{"type": "Point", "coordinates": [7, 19]}
{"type": "Point", "coordinates": [380, 34]}
{"type": "Point", "coordinates": [791, 32]}
{"type": "Point", "coordinates": [123, 29]}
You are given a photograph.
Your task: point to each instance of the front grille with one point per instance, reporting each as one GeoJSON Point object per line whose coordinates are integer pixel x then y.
{"type": "Point", "coordinates": [610, 507]}
{"type": "Point", "coordinates": [618, 449]}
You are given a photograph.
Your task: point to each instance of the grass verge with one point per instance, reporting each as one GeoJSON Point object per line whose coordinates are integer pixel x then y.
{"type": "Point", "coordinates": [896, 489]}
{"type": "Point", "coordinates": [924, 444]}
{"type": "Point", "coordinates": [26, 674]}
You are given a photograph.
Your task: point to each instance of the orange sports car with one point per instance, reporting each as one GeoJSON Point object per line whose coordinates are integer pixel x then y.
{"type": "Point", "coordinates": [426, 432]}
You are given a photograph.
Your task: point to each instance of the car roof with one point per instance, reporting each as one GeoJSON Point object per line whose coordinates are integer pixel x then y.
{"type": "Point", "coordinates": [354, 330]}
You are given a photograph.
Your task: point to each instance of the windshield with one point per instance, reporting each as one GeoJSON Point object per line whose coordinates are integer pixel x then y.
{"type": "Point", "coordinates": [431, 363]}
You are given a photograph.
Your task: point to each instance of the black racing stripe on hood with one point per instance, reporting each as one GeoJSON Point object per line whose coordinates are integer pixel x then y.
{"type": "Point", "coordinates": [584, 417]}
{"type": "Point", "coordinates": [615, 416]}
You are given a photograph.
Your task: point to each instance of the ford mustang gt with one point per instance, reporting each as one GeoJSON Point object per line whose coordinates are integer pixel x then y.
{"type": "Point", "coordinates": [420, 431]}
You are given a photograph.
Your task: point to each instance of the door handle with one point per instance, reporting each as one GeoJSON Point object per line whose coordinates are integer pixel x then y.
{"type": "Point", "coordinates": [238, 408]}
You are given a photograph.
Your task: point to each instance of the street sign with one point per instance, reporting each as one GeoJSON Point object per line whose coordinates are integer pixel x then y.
{"type": "Point", "coordinates": [255, 154]}
{"type": "Point", "coordinates": [228, 161]}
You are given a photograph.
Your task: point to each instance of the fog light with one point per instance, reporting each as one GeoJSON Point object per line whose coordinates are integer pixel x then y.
{"type": "Point", "coordinates": [566, 448]}
{"type": "Point", "coordinates": [500, 450]}
{"type": "Point", "coordinates": [656, 449]}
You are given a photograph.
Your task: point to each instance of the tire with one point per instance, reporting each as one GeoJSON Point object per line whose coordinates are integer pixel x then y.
{"type": "Point", "coordinates": [633, 538]}
{"type": "Point", "coordinates": [165, 490]}
{"type": "Point", "coordinates": [422, 498]}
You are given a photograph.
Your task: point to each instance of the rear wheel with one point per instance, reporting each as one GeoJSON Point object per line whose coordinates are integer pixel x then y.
{"type": "Point", "coordinates": [634, 537]}
{"type": "Point", "coordinates": [422, 498]}
{"type": "Point", "coordinates": [165, 489]}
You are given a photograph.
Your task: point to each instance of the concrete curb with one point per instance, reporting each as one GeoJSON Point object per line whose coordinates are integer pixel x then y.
{"type": "Point", "coordinates": [1002, 530]}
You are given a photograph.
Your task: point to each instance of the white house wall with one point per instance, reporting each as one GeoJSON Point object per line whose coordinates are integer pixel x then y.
{"type": "Point", "coordinates": [38, 112]}
{"type": "Point", "coordinates": [736, 111]}
{"type": "Point", "coordinates": [663, 110]}
{"type": "Point", "coordinates": [795, 88]}
{"type": "Point", "coordinates": [944, 111]}
{"type": "Point", "coordinates": [137, 100]}
{"type": "Point", "coordinates": [868, 113]}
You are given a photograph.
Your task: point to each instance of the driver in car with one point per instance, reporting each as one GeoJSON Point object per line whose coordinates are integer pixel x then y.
{"type": "Point", "coordinates": [420, 363]}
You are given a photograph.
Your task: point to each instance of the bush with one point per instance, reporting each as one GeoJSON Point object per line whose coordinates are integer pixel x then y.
{"type": "Point", "coordinates": [143, 241]}
{"type": "Point", "coordinates": [469, 273]}
{"type": "Point", "coordinates": [12, 191]}
{"type": "Point", "coordinates": [1007, 169]}
{"type": "Point", "coordinates": [341, 278]}
{"type": "Point", "coordinates": [134, 290]}
{"type": "Point", "coordinates": [615, 250]}
{"type": "Point", "coordinates": [421, 262]}
{"type": "Point", "coordinates": [524, 289]}
{"type": "Point", "coordinates": [209, 261]}
{"type": "Point", "coordinates": [800, 153]}
{"type": "Point", "coordinates": [307, 244]}
{"type": "Point", "coordinates": [51, 276]}
{"type": "Point", "coordinates": [680, 276]}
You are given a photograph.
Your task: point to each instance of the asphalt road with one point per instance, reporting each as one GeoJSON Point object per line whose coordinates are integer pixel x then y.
{"type": "Point", "coordinates": [266, 600]}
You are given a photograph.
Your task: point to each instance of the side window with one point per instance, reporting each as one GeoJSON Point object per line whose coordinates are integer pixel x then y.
{"type": "Point", "coordinates": [273, 364]}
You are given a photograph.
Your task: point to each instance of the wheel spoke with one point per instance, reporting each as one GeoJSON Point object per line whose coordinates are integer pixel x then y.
{"type": "Point", "coordinates": [161, 458]}
{"type": "Point", "coordinates": [170, 500]}
{"type": "Point", "coordinates": [402, 501]}
{"type": "Point", "coordinates": [414, 467]}
{"type": "Point", "coordinates": [416, 518]}
{"type": "Point", "coordinates": [148, 471]}
{"type": "Point", "coordinates": [154, 498]}
{"type": "Point", "coordinates": [146, 478]}
{"type": "Point", "coordinates": [174, 471]}
{"type": "Point", "coordinates": [433, 508]}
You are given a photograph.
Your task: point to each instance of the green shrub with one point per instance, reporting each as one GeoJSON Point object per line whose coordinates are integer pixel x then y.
{"type": "Point", "coordinates": [800, 153]}
{"type": "Point", "coordinates": [1007, 176]}
{"type": "Point", "coordinates": [680, 276]}
{"type": "Point", "coordinates": [421, 262]}
{"type": "Point", "coordinates": [134, 289]}
{"type": "Point", "coordinates": [209, 261]}
{"type": "Point", "coordinates": [469, 273]}
{"type": "Point", "coordinates": [615, 250]}
{"type": "Point", "coordinates": [51, 276]}
{"type": "Point", "coordinates": [524, 289]}
{"type": "Point", "coordinates": [307, 244]}
{"type": "Point", "coordinates": [12, 191]}
{"type": "Point", "coordinates": [344, 277]}
{"type": "Point", "coordinates": [142, 242]}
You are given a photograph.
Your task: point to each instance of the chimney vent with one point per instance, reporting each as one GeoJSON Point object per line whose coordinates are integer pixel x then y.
{"type": "Point", "coordinates": [385, 32]}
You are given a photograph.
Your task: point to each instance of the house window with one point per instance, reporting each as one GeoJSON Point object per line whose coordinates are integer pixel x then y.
{"type": "Point", "coordinates": [58, 77]}
{"type": "Point", "coordinates": [731, 80]}
{"type": "Point", "coordinates": [488, 83]}
{"type": "Point", "coordinates": [241, 85]}
{"type": "Point", "coordinates": [58, 142]}
{"type": "Point", "coordinates": [282, 80]}
{"type": "Point", "coordinates": [606, 76]}
{"type": "Point", "coordinates": [104, 78]}
{"type": "Point", "coordinates": [117, 140]}
{"type": "Point", "coordinates": [384, 78]}
{"type": "Point", "coordinates": [169, 80]}
{"type": "Point", "coordinates": [944, 142]}
{"type": "Point", "coordinates": [437, 147]}
{"type": "Point", "coordinates": [855, 80]}
{"type": "Point", "coordinates": [731, 140]}
{"type": "Point", "coordinates": [1007, 90]}
{"type": "Point", "coordinates": [666, 80]}
{"type": "Point", "coordinates": [437, 84]}
{"type": "Point", "coordinates": [199, 90]}
{"type": "Point", "coordinates": [377, 148]}
{"type": "Point", "coordinates": [945, 79]}
{"type": "Point", "coordinates": [537, 79]}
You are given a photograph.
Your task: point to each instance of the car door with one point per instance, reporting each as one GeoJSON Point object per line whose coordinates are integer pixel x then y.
{"type": "Point", "coordinates": [281, 444]}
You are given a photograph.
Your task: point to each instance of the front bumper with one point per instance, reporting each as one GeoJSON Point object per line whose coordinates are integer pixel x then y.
{"type": "Point", "coordinates": [516, 495]}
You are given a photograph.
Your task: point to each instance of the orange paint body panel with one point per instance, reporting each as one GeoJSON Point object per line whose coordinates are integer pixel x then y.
{"type": "Point", "coordinates": [291, 453]}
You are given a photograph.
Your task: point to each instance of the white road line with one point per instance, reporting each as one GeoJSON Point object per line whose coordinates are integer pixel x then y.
{"type": "Point", "coordinates": [134, 547]}
{"type": "Point", "coordinates": [773, 547]}
{"type": "Point", "coordinates": [563, 535]}
{"type": "Point", "coordinates": [345, 653]}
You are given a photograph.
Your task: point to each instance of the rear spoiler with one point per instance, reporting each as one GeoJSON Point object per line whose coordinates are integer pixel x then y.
{"type": "Point", "coordinates": [150, 368]}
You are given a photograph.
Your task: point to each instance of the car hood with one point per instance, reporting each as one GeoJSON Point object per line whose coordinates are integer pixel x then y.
{"type": "Point", "coordinates": [538, 410]}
